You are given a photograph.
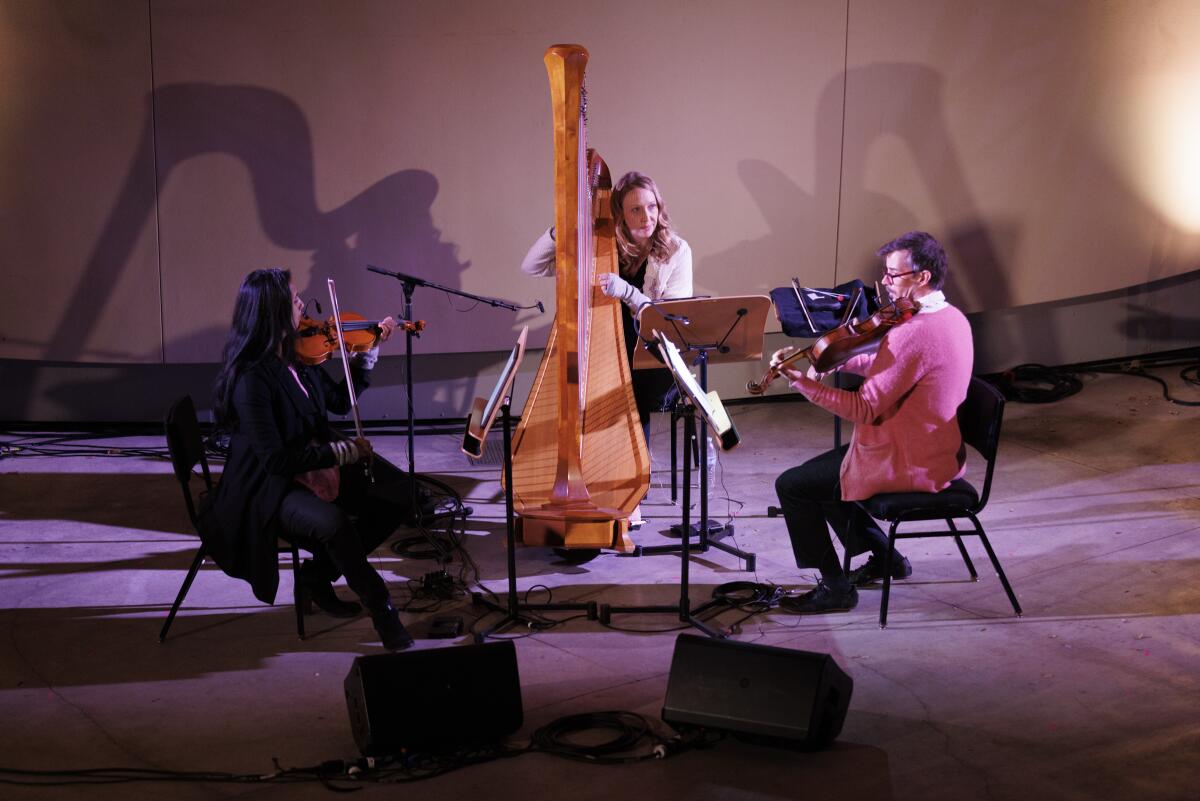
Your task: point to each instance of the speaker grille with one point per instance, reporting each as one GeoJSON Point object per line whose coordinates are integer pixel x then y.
{"type": "Point", "coordinates": [434, 699]}
{"type": "Point", "coordinates": [775, 693]}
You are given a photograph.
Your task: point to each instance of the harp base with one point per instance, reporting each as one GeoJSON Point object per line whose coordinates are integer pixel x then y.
{"type": "Point", "coordinates": [555, 528]}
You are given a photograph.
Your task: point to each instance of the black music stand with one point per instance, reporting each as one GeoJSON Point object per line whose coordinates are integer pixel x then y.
{"type": "Point", "coordinates": [846, 301]}
{"type": "Point", "coordinates": [693, 398]}
{"type": "Point", "coordinates": [483, 415]}
{"type": "Point", "coordinates": [709, 330]}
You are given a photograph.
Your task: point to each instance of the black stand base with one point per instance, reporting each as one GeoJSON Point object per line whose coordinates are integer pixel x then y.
{"type": "Point", "coordinates": [688, 617]}
{"type": "Point", "coordinates": [683, 609]}
{"type": "Point", "coordinates": [512, 610]}
{"type": "Point", "coordinates": [700, 543]}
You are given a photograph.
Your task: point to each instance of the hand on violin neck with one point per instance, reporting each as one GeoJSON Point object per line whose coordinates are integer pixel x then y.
{"type": "Point", "coordinates": [778, 356]}
{"type": "Point", "coordinates": [386, 326]}
{"type": "Point", "coordinates": [794, 372]}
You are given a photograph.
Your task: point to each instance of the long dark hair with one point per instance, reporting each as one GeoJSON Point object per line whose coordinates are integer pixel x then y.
{"type": "Point", "coordinates": [262, 322]}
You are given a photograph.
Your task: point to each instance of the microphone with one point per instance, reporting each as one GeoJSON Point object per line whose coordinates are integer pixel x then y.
{"type": "Point", "coordinates": [541, 308]}
{"type": "Point", "coordinates": [677, 317]}
{"type": "Point", "coordinates": [400, 276]}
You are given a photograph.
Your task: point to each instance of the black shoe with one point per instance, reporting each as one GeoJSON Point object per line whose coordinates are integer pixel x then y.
{"type": "Point", "coordinates": [872, 570]}
{"type": "Point", "coordinates": [320, 592]}
{"type": "Point", "coordinates": [391, 631]}
{"type": "Point", "coordinates": [820, 599]}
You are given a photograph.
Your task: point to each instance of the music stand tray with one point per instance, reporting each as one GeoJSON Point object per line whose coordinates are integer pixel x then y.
{"type": "Point", "coordinates": [732, 327]}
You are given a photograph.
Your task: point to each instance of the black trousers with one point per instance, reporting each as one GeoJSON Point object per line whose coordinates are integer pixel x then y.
{"type": "Point", "coordinates": [341, 534]}
{"type": "Point", "coordinates": [810, 496]}
{"type": "Point", "coordinates": [649, 389]}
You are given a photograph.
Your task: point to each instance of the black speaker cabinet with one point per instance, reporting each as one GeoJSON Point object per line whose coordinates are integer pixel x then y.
{"type": "Point", "coordinates": [779, 695]}
{"type": "Point", "coordinates": [434, 699]}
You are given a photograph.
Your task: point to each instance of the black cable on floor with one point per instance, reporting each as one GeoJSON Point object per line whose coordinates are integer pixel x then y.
{"type": "Point", "coordinates": [628, 729]}
{"type": "Point", "coordinates": [1035, 383]}
{"type": "Point", "coordinates": [632, 739]}
{"type": "Point", "coordinates": [1138, 372]}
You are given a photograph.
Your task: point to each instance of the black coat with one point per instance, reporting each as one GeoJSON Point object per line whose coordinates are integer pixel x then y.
{"type": "Point", "coordinates": [278, 433]}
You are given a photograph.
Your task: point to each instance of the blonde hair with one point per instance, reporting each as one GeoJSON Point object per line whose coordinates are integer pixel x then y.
{"type": "Point", "coordinates": [661, 244]}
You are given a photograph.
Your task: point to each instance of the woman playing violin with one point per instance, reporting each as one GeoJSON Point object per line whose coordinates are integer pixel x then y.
{"type": "Point", "coordinates": [906, 436]}
{"type": "Point", "coordinates": [289, 474]}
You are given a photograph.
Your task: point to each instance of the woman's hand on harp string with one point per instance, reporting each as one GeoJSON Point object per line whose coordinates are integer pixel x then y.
{"type": "Point", "coordinates": [613, 285]}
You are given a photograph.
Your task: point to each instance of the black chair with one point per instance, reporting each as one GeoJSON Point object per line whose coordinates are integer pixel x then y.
{"type": "Point", "coordinates": [979, 419]}
{"type": "Point", "coordinates": [187, 450]}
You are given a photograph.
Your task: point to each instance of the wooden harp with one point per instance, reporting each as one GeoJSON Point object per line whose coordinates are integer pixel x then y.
{"type": "Point", "coordinates": [580, 462]}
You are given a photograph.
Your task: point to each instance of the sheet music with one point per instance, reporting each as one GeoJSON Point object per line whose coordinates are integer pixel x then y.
{"type": "Point", "coordinates": [708, 403]}
{"type": "Point", "coordinates": [484, 412]}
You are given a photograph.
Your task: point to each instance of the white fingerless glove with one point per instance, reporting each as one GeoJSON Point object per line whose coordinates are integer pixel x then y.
{"type": "Point", "coordinates": [345, 451]}
{"type": "Point", "coordinates": [618, 287]}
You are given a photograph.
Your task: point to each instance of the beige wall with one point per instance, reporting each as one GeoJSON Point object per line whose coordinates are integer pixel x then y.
{"type": "Point", "coordinates": [1039, 140]}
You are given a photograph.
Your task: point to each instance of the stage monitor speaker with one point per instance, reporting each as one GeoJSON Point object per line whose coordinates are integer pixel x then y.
{"type": "Point", "coordinates": [780, 695]}
{"type": "Point", "coordinates": [434, 699]}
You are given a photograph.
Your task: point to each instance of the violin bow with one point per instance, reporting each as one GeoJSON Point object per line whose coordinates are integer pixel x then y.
{"type": "Point", "coordinates": [337, 321]}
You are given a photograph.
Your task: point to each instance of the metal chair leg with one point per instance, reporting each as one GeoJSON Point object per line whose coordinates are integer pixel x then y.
{"type": "Point", "coordinates": [297, 591]}
{"type": "Point", "coordinates": [183, 591]}
{"type": "Point", "coordinates": [962, 549]}
{"type": "Point", "coordinates": [848, 545]}
{"type": "Point", "coordinates": [987, 545]}
{"type": "Point", "coordinates": [887, 575]}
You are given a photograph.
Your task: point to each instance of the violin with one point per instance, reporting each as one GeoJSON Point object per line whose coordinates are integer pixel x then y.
{"type": "Point", "coordinates": [316, 340]}
{"type": "Point", "coordinates": [839, 345]}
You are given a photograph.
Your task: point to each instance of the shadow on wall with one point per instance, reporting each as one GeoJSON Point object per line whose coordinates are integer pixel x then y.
{"type": "Point", "coordinates": [1153, 317]}
{"type": "Point", "coordinates": [389, 223]}
{"type": "Point", "coordinates": [911, 90]}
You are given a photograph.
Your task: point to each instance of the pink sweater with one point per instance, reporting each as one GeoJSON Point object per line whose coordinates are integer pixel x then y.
{"type": "Point", "coordinates": [906, 435]}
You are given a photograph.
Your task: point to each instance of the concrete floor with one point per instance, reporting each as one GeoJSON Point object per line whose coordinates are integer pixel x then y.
{"type": "Point", "coordinates": [1094, 693]}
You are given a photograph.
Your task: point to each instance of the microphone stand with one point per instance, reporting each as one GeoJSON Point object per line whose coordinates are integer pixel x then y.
{"type": "Point", "coordinates": [409, 283]}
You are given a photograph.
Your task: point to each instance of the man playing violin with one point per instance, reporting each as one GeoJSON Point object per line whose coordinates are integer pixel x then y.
{"type": "Point", "coordinates": [906, 436]}
{"type": "Point", "coordinates": [288, 473]}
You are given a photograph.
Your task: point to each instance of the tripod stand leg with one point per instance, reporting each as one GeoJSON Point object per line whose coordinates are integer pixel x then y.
{"type": "Point", "coordinates": [512, 608]}
{"type": "Point", "coordinates": [683, 609]}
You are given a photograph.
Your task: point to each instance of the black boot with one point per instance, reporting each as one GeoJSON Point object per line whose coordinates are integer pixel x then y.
{"type": "Point", "coordinates": [391, 631]}
{"type": "Point", "coordinates": [316, 590]}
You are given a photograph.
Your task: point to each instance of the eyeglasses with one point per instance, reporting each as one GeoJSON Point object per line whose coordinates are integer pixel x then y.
{"type": "Point", "coordinates": [887, 277]}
